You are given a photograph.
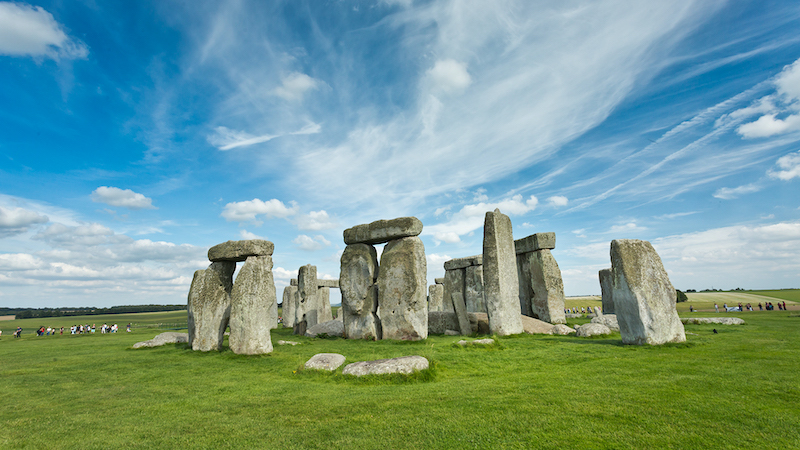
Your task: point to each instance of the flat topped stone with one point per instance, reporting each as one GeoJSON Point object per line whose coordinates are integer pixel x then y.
{"type": "Point", "coordinates": [330, 328]}
{"type": "Point", "coordinates": [719, 320]}
{"type": "Point", "coordinates": [238, 251]}
{"type": "Point", "coordinates": [403, 364]}
{"type": "Point", "coordinates": [170, 337]}
{"type": "Point", "coordinates": [328, 283]}
{"type": "Point", "coordinates": [592, 329]}
{"type": "Point", "coordinates": [382, 231]}
{"type": "Point", "coordinates": [462, 263]}
{"type": "Point", "coordinates": [438, 280]}
{"type": "Point", "coordinates": [325, 361]}
{"type": "Point", "coordinates": [536, 241]}
{"type": "Point", "coordinates": [464, 342]}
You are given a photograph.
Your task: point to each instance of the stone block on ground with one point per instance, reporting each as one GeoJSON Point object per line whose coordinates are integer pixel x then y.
{"type": "Point", "coordinates": [238, 251]}
{"type": "Point", "coordinates": [402, 286]}
{"type": "Point", "coordinates": [358, 273]}
{"type": "Point", "coordinates": [535, 326]}
{"type": "Point", "coordinates": [441, 321]}
{"type": "Point", "coordinates": [404, 364]}
{"type": "Point", "coordinates": [534, 242]}
{"type": "Point", "coordinates": [325, 361]}
{"type": "Point", "coordinates": [592, 329]}
{"type": "Point", "coordinates": [253, 308]}
{"type": "Point", "coordinates": [209, 305]}
{"type": "Point", "coordinates": [382, 231]}
{"type": "Point", "coordinates": [501, 285]}
{"type": "Point", "coordinates": [609, 320]}
{"type": "Point", "coordinates": [465, 343]}
{"type": "Point", "coordinates": [330, 328]}
{"type": "Point", "coordinates": [170, 337]}
{"type": "Point", "coordinates": [718, 320]}
{"type": "Point", "coordinates": [282, 342]}
{"type": "Point", "coordinates": [562, 330]}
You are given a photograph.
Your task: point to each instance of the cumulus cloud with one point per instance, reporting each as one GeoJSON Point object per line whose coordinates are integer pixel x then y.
{"type": "Point", "coordinates": [788, 167]}
{"type": "Point", "coordinates": [295, 85]}
{"type": "Point", "coordinates": [247, 211]}
{"type": "Point", "coordinates": [449, 76]}
{"type": "Point", "coordinates": [437, 260]}
{"type": "Point", "coordinates": [248, 235]}
{"type": "Point", "coordinates": [19, 261]}
{"type": "Point", "coordinates": [785, 102]}
{"type": "Point", "coordinates": [308, 243]}
{"type": "Point", "coordinates": [471, 217]}
{"type": "Point", "coordinates": [725, 193]}
{"type": "Point", "coordinates": [315, 220]}
{"type": "Point", "coordinates": [27, 30]}
{"type": "Point", "coordinates": [124, 198]}
{"type": "Point", "coordinates": [558, 200]}
{"type": "Point", "coordinates": [769, 125]}
{"type": "Point", "coordinates": [18, 220]}
{"type": "Point", "coordinates": [626, 228]}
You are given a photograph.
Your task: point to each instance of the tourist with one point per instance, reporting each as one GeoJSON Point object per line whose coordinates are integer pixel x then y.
{"type": "Point", "coordinates": [129, 327]}
{"type": "Point", "coordinates": [760, 308]}
{"type": "Point", "coordinates": [691, 308]}
{"type": "Point", "coordinates": [725, 305]}
{"type": "Point", "coordinates": [784, 305]}
{"type": "Point", "coordinates": [18, 332]}
{"type": "Point", "coordinates": [716, 307]}
{"type": "Point", "coordinates": [740, 306]}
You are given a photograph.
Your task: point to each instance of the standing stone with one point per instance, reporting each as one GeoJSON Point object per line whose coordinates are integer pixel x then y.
{"type": "Point", "coordinates": [401, 290]}
{"type": "Point", "coordinates": [252, 300]}
{"type": "Point", "coordinates": [324, 313]}
{"type": "Point", "coordinates": [288, 306]}
{"type": "Point", "coordinates": [209, 305]}
{"type": "Point", "coordinates": [453, 286]}
{"type": "Point", "coordinates": [359, 270]}
{"type": "Point", "coordinates": [382, 231]}
{"type": "Point", "coordinates": [461, 314]}
{"type": "Point", "coordinates": [547, 286]}
{"type": "Point", "coordinates": [306, 311]}
{"type": "Point", "coordinates": [436, 297]}
{"type": "Point", "coordinates": [501, 285]}
{"type": "Point", "coordinates": [473, 289]}
{"type": "Point", "coordinates": [644, 298]}
{"type": "Point", "coordinates": [607, 290]}
{"type": "Point", "coordinates": [525, 287]}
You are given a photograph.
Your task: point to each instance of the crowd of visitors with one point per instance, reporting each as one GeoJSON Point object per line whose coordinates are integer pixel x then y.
{"type": "Point", "coordinates": [74, 329]}
{"type": "Point", "coordinates": [582, 310]}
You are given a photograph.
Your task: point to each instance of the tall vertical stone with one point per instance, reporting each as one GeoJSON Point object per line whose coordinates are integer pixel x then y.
{"type": "Point", "coordinates": [644, 298]}
{"type": "Point", "coordinates": [607, 290]}
{"type": "Point", "coordinates": [324, 313]}
{"type": "Point", "coordinates": [548, 288]}
{"type": "Point", "coordinates": [435, 297]}
{"type": "Point", "coordinates": [473, 289]}
{"type": "Point", "coordinates": [306, 311]}
{"type": "Point", "coordinates": [289, 305]}
{"type": "Point", "coordinates": [453, 288]}
{"type": "Point", "coordinates": [525, 287]}
{"type": "Point", "coordinates": [501, 285]}
{"type": "Point", "coordinates": [359, 271]}
{"type": "Point", "coordinates": [209, 305]}
{"type": "Point", "coordinates": [253, 303]}
{"type": "Point", "coordinates": [401, 290]}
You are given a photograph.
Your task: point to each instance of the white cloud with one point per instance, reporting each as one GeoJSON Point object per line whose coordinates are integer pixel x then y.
{"type": "Point", "coordinates": [124, 198]}
{"type": "Point", "coordinates": [471, 217]}
{"type": "Point", "coordinates": [308, 243]}
{"type": "Point", "coordinates": [18, 220]}
{"type": "Point", "coordinates": [787, 99]}
{"type": "Point", "coordinates": [315, 220]}
{"type": "Point", "coordinates": [768, 125]}
{"type": "Point", "coordinates": [558, 200]}
{"type": "Point", "coordinates": [725, 193]}
{"type": "Point", "coordinates": [437, 260]}
{"type": "Point", "coordinates": [283, 274]}
{"type": "Point", "coordinates": [248, 235]}
{"type": "Point", "coordinates": [226, 139]}
{"type": "Point", "coordinates": [449, 76]}
{"type": "Point", "coordinates": [27, 30]}
{"type": "Point", "coordinates": [295, 85]}
{"type": "Point", "coordinates": [789, 167]}
{"type": "Point", "coordinates": [247, 211]}
{"type": "Point", "coordinates": [19, 261]}
{"type": "Point", "coordinates": [626, 228]}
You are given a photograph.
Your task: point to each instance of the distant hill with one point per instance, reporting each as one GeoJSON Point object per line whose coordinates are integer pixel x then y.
{"type": "Point", "coordinates": [30, 313]}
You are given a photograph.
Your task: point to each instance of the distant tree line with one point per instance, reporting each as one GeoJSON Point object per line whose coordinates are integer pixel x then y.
{"type": "Point", "coordinates": [31, 313]}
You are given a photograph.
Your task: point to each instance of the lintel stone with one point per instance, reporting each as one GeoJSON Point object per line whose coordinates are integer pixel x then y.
{"type": "Point", "coordinates": [382, 231]}
{"type": "Point", "coordinates": [328, 284]}
{"type": "Point", "coordinates": [238, 251]}
{"type": "Point", "coordinates": [536, 241]}
{"type": "Point", "coordinates": [462, 263]}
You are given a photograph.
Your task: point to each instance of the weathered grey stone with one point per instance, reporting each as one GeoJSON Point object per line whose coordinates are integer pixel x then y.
{"type": "Point", "coordinates": [441, 321]}
{"type": "Point", "coordinates": [170, 337]}
{"type": "Point", "coordinates": [592, 329]}
{"type": "Point", "coordinates": [382, 231]}
{"type": "Point", "coordinates": [288, 306]}
{"type": "Point", "coordinates": [562, 330]}
{"type": "Point", "coordinates": [607, 290]}
{"type": "Point", "coordinates": [438, 280]}
{"type": "Point", "coordinates": [209, 305]}
{"type": "Point", "coordinates": [609, 320]}
{"type": "Point", "coordinates": [325, 361]}
{"type": "Point", "coordinates": [451, 332]}
{"type": "Point", "coordinates": [548, 288]}
{"type": "Point", "coordinates": [719, 320]}
{"type": "Point", "coordinates": [238, 251]}
{"type": "Point", "coordinates": [501, 285]}
{"type": "Point", "coordinates": [535, 326]}
{"type": "Point", "coordinates": [453, 285]}
{"type": "Point", "coordinates": [306, 313]}
{"type": "Point", "coordinates": [473, 289]}
{"type": "Point", "coordinates": [435, 297]}
{"type": "Point", "coordinates": [573, 316]}
{"type": "Point", "coordinates": [479, 322]}
{"type": "Point", "coordinates": [404, 364]}
{"type": "Point", "coordinates": [644, 298]}
{"type": "Point", "coordinates": [359, 269]}
{"type": "Point", "coordinates": [534, 242]}
{"type": "Point", "coordinates": [328, 283]}
{"type": "Point", "coordinates": [330, 328]}
{"type": "Point", "coordinates": [461, 315]}
{"type": "Point", "coordinates": [292, 343]}
{"type": "Point", "coordinates": [465, 343]}
{"type": "Point", "coordinates": [324, 312]}
{"type": "Point", "coordinates": [525, 288]}
{"type": "Point", "coordinates": [253, 303]}
{"type": "Point", "coordinates": [402, 290]}
{"type": "Point", "coordinates": [462, 263]}
{"type": "Point", "coordinates": [293, 282]}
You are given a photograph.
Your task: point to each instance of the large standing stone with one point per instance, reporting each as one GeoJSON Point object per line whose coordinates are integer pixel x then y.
{"type": "Point", "coordinates": [525, 287]}
{"type": "Point", "coordinates": [306, 309]}
{"type": "Point", "coordinates": [324, 312]}
{"type": "Point", "coordinates": [209, 305]}
{"type": "Point", "coordinates": [473, 289]}
{"type": "Point", "coordinates": [288, 306]}
{"type": "Point", "coordinates": [359, 270]}
{"type": "Point", "coordinates": [401, 290]}
{"type": "Point", "coordinates": [644, 298]}
{"type": "Point", "coordinates": [436, 297]}
{"type": "Point", "coordinates": [252, 301]}
{"type": "Point", "coordinates": [548, 288]}
{"type": "Point", "coordinates": [453, 286]}
{"type": "Point", "coordinates": [382, 231]}
{"type": "Point", "coordinates": [501, 285]}
{"type": "Point", "coordinates": [607, 290]}
{"type": "Point", "coordinates": [238, 251]}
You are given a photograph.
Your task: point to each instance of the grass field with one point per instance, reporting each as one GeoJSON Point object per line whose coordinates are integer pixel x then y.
{"type": "Point", "coordinates": [735, 389]}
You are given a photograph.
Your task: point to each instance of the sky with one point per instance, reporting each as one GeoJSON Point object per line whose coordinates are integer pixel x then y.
{"type": "Point", "coordinates": [136, 135]}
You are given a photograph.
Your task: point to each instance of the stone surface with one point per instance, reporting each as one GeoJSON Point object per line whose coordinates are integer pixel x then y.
{"type": "Point", "coordinates": [169, 337]}
{"type": "Point", "coordinates": [573, 316]}
{"type": "Point", "coordinates": [451, 332]}
{"type": "Point", "coordinates": [293, 282]}
{"type": "Point", "coordinates": [238, 251]}
{"type": "Point", "coordinates": [479, 322]}
{"type": "Point", "coordinates": [328, 283]}
{"type": "Point", "coordinates": [473, 289]}
{"type": "Point", "coordinates": [253, 308]}
{"type": "Point", "coordinates": [464, 343]}
{"type": "Point", "coordinates": [441, 321]}
{"type": "Point", "coordinates": [548, 289]}
{"type": "Point", "coordinates": [404, 364]}
{"type": "Point", "coordinates": [562, 330]}
{"type": "Point", "coordinates": [382, 231]}
{"type": "Point", "coordinates": [282, 342]}
{"type": "Point", "coordinates": [435, 297]}
{"type": "Point", "coordinates": [402, 290]}
{"type": "Point", "coordinates": [525, 288]}
{"type": "Point", "coordinates": [644, 298]}
{"type": "Point", "coordinates": [324, 311]}
{"type": "Point", "coordinates": [462, 263]}
{"type": "Point", "coordinates": [288, 306]}
{"type": "Point", "coordinates": [719, 320]}
{"type": "Point", "coordinates": [438, 280]}
{"type": "Point", "coordinates": [592, 329]}
{"type": "Point", "coordinates": [501, 285]}
{"type": "Point", "coordinates": [535, 326]}
{"type": "Point", "coordinates": [359, 270]}
{"type": "Point", "coordinates": [609, 320]}
{"type": "Point", "coordinates": [607, 290]}
{"type": "Point", "coordinates": [330, 328]}
{"type": "Point", "coordinates": [209, 305]}
{"type": "Point", "coordinates": [453, 285]}
{"type": "Point", "coordinates": [461, 316]}
{"type": "Point", "coordinates": [306, 307]}
{"type": "Point", "coordinates": [325, 361]}
{"type": "Point", "coordinates": [534, 242]}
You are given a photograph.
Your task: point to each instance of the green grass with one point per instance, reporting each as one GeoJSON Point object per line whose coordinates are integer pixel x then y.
{"type": "Point", "coordinates": [790, 295]}
{"type": "Point", "coordinates": [735, 389]}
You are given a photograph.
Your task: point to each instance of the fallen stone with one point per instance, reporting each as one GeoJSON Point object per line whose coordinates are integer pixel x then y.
{"type": "Point", "coordinates": [435, 297]}
{"type": "Point", "coordinates": [534, 242]}
{"type": "Point", "coordinates": [238, 251]}
{"type": "Point", "coordinates": [169, 337]}
{"type": "Point", "coordinates": [441, 321]}
{"type": "Point", "coordinates": [607, 290]}
{"type": "Point", "coordinates": [382, 231]}
{"type": "Point", "coordinates": [404, 364]}
{"type": "Point", "coordinates": [209, 305]}
{"type": "Point", "coordinates": [501, 285]}
{"type": "Point", "coordinates": [325, 361]}
{"type": "Point", "coordinates": [609, 320]}
{"type": "Point", "coordinates": [473, 289]}
{"type": "Point", "coordinates": [462, 263]}
{"type": "Point", "coordinates": [592, 329]}
{"type": "Point", "coordinates": [330, 328]}
{"type": "Point", "coordinates": [402, 296]}
{"type": "Point", "coordinates": [573, 316]}
{"type": "Point", "coordinates": [254, 309]}
{"type": "Point", "coordinates": [282, 342]}
{"type": "Point", "coordinates": [719, 320]}
{"type": "Point", "coordinates": [535, 326]}
{"type": "Point", "coordinates": [464, 343]}
{"type": "Point", "coordinates": [644, 298]}
{"type": "Point", "coordinates": [451, 333]}
{"type": "Point", "coordinates": [562, 330]}
{"type": "Point", "coordinates": [359, 270]}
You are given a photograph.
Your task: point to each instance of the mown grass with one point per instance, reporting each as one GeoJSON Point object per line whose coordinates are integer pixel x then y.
{"type": "Point", "coordinates": [734, 389]}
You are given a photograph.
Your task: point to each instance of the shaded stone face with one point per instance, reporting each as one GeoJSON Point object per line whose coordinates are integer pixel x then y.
{"type": "Point", "coordinates": [306, 308]}
{"type": "Point", "coordinates": [324, 312]}
{"type": "Point", "coordinates": [382, 231]}
{"type": "Point", "coordinates": [473, 289]}
{"type": "Point", "coordinates": [402, 289]}
{"type": "Point", "coordinates": [453, 288]}
{"type": "Point", "coordinates": [289, 305]}
{"type": "Point", "coordinates": [644, 298]}
{"type": "Point", "coordinates": [209, 305]}
{"type": "Point", "coordinates": [462, 263]}
{"type": "Point", "coordinates": [501, 283]}
{"type": "Point", "coordinates": [359, 270]}
{"type": "Point", "coordinates": [435, 297]}
{"type": "Point", "coordinates": [547, 286]}
{"type": "Point", "coordinates": [525, 288]}
{"type": "Point", "coordinates": [607, 290]}
{"type": "Point", "coordinates": [238, 251]}
{"type": "Point", "coordinates": [253, 307]}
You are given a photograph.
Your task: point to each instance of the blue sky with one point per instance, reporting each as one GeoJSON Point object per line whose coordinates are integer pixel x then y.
{"type": "Point", "coordinates": [135, 135]}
